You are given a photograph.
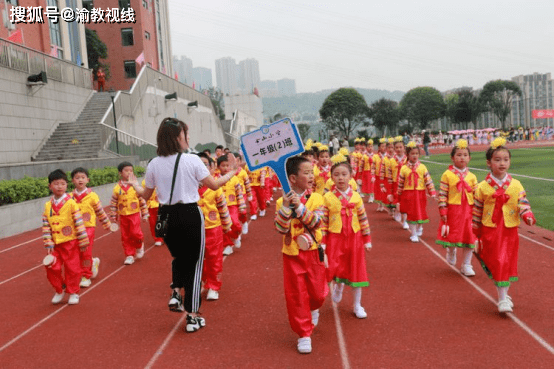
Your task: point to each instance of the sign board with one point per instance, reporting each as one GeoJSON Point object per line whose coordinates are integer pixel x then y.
{"type": "Point", "coordinates": [271, 146]}
{"type": "Point", "coordinates": [543, 114]}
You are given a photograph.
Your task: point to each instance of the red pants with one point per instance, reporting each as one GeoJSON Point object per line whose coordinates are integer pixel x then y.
{"type": "Point", "coordinates": [236, 227]}
{"type": "Point", "coordinates": [268, 188]}
{"type": "Point", "coordinates": [305, 289]}
{"type": "Point", "coordinates": [213, 258]}
{"type": "Point", "coordinates": [260, 196]}
{"type": "Point", "coordinates": [131, 233]}
{"type": "Point", "coordinates": [254, 203]}
{"type": "Point", "coordinates": [67, 255]}
{"type": "Point", "coordinates": [86, 256]}
{"type": "Point", "coordinates": [152, 221]}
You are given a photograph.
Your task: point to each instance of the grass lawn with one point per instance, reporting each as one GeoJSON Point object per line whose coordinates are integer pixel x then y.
{"type": "Point", "coordinates": [535, 162]}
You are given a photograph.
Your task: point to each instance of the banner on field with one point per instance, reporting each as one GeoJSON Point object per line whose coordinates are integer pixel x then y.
{"type": "Point", "coordinates": [543, 114]}
{"type": "Point", "coordinates": [271, 146]}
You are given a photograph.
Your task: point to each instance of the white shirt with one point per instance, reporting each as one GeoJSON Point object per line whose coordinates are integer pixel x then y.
{"type": "Point", "coordinates": [190, 173]}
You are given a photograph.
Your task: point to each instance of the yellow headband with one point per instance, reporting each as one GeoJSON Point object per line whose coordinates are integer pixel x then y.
{"type": "Point", "coordinates": [308, 147]}
{"type": "Point", "coordinates": [391, 140]}
{"type": "Point", "coordinates": [370, 142]}
{"type": "Point", "coordinates": [461, 144]}
{"type": "Point", "coordinates": [362, 139]}
{"type": "Point", "coordinates": [499, 141]}
{"type": "Point", "coordinates": [411, 145]}
{"type": "Point", "coordinates": [356, 140]}
{"type": "Point", "coordinates": [344, 151]}
{"type": "Point", "coordinates": [337, 159]}
{"type": "Point", "coordinates": [324, 148]}
{"type": "Point", "coordinates": [398, 139]}
{"type": "Point", "coordinates": [318, 144]}
{"type": "Point", "coordinates": [382, 140]}
{"type": "Point", "coordinates": [310, 142]}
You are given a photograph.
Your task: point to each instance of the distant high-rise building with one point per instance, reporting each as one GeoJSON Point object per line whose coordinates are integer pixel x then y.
{"type": "Point", "coordinates": [249, 75]}
{"type": "Point", "coordinates": [226, 75]}
{"type": "Point", "coordinates": [183, 67]}
{"type": "Point", "coordinates": [538, 94]}
{"type": "Point", "coordinates": [268, 88]}
{"type": "Point", "coordinates": [202, 77]}
{"type": "Point", "coordinates": [286, 87]}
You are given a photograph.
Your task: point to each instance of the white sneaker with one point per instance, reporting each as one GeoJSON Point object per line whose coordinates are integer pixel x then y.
{"type": "Point", "coordinates": [129, 260]}
{"type": "Point", "coordinates": [245, 228]}
{"type": "Point", "coordinates": [419, 231]}
{"type": "Point", "coordinates": [315, 317]}
{"type": "Point", "coordinates": [371, 199]}
{"type": "Point", "coordinates": [58, 297]}
{"type": "Point", "coordinates": [73, 299]}
{"type": "Point", "coordinates": [140, 252]}
{"type": "Point", "coordinates": [414, 238]}
{"type": "Point", "coordinates": [212, 295]}
{"type": "Point", "coordinates": [95, 267]}
{"type": "Point", "coordinates": [228, 250]}
{"type": "Point", "coordinates": [510, 301]}
{"type": "Point", "coordinates": [262, 213]}
{"type": "Point", "coordinates": [360, 313]}
{"type": "Point", "coordinates": [337, 294]}
{"type": "Point", "coordinates": [237, 243]}
{"type": "Point", "coordinates": [157, 243]}
{"type": "Point", "coordinates": [405, 225]}
{"type": "Point", "coordinates": [304, 345]}
{"type": "Point", "coordinates": [254, 217]}
{"type": "Point", "coordinates": [504, 306]}
{"type": "Point", "coordinates": [467, 270]}
{"type": "Point", "coordinates": [451, 256]}
{"type": "Point", "coordinates": [398, 217]}
{"type": "Point", "coordinates": [85, 282]}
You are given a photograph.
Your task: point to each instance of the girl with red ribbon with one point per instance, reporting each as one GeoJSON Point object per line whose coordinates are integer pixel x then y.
{"type": "Point", "coordinates": [500, 202]}
{"type": "Point", "coordinates": [455, 207]}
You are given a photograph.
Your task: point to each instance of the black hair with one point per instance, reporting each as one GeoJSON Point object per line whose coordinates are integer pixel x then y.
{"type": "Point", "coordinates": [491, 151]}
{"type": "Point", "coordinates": [454, 149]}
{"type": "Point", "coordinates": [206, 156]}
{"type": "Point", "coordinates": [307, 152]}
{"type": "Point", "coordinates": [219, 147]}
{"type": "Point", "coordinates": [208, 151]}
{"type": "Point", "coordinates": [222, 159]}
{"type": "Point", "coordinates": [293, 165]}
{"type": "Point", "coordinates": [409, 149]}
{"type": "Point", "coordinates": [57, 174]}
{"type": "Point", "coordinates": [399, 142]}
{"type": "Point", "coordinates": [237, 155]}
{"type": "Point", "coordinates": [123, 165]}
{"type": "Point", "coordinates": [79, 170]}
{"type": "Point", "coordinates": [347, 163]}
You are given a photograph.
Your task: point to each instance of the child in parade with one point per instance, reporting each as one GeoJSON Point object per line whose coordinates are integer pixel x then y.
{"type": "Point", "coordinates": [244, 179]}
{"type": "Point", "coordinates": [235, 204]}
{"type": "Point", "coordinates": [378, 163]}
{"type": "Point", "coordinates": [355, 157]}
{"type": "Point", "coordinates": [64, 235]}
{"type": "Point", "coordinates": [309, 152]}
{"type": "Point", "coordinates": [216, 221]}
{"type": "Point", "coordinates": [321, 170]}
{"type": "Point", "coordinates": [413, 180]}
{"type": "Point", "coordinates": [384, 176]}
{"type": "Point", "coordinates": [127, 207]}
{"type": "Point", "coordinates": [393, 169]}
{"type": "Point", "coordinates": [257, 182]}
{"type": "Point", "coordinates": [153, 205]}
{"type": "Point", "coordinates": [298, 217]}
{"type": "Point", "coordinates": [346, 235]}
{"type": "Point", "coordinates": [500, 201]}
{"type": "Point", "coordinates": [91, 208]}
{"type": "Point", "coordinates": [367, 178]}
{"type": "Point", "coordinates": [456, 206]}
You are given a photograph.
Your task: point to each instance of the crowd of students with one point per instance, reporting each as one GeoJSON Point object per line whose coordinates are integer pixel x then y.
{"type": "Point", "coordinates": [323, 220]}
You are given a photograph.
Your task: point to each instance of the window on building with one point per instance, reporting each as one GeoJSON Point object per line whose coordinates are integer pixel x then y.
{"type": "Point", "coordinates": [146, 35]}
{"type": "Point", "coordinates": [124, 4]}
{"type": "Point", "coordinates": [13, 2]}
{"type": "Point", "coordinates": [130, 69]}
{"type": "Point", "coordinates": [145, 4]}
{"type": "Point", "coordinates": [55, 35]}
{"type": "Point", "coordinates": [88, 5]}
{"type": "Point", "coordinates": [127, 37]}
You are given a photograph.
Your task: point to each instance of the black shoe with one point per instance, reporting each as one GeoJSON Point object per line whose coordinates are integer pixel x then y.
{"type": "Point", "coordinates": [176, 303]}
{"type": "Point", "coordinates": [194, 323]}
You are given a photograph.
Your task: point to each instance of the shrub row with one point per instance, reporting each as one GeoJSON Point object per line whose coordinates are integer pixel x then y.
{"type": "Point", "coordinates": [28, 188]}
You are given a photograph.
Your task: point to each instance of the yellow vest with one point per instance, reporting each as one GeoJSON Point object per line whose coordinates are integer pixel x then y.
{"type": "Point", "coordinates": [290, 247]}
{"type": "Point", "coordinates": [334, 205]}
{"type": "Point", "coordinates": [208, 204]}
{"type": "Point", "coordinates": [352, 184]}
{"type": "Point", "coordinates": [127, 202]}
{"type": "Point", "coordinates": [455, 197]}
{"type": "Point", "coordinates": [62, 224]}
{"type": "Point", "coordinates": [230, 191]}
{"type": "Point", "coordinates": [510, 210]}
{"type": "Point", "coordinates": [255, 177]}
{"type": "Point", "coordinates": [87, 208]}
{"type": "Point", "coordinates": [152, 202]}
{"type": "Point", "coordinates": [406, 172]}
{"type": "Point", "coordinates": [320, 182]}
{"type": "Point", "coordinates": [394, 168]}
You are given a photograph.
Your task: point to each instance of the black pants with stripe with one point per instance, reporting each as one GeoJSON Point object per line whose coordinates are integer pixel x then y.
{"type": "Point", "coordinates": [185, 241]}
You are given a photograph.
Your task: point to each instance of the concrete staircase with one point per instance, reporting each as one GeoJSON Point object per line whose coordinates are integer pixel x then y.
{"type": "Point", "coordinates": [79, 139]}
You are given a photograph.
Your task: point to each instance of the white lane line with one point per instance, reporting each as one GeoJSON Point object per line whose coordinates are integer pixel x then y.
{"type": "Point", "coordinates": [516, 320]}
{"type": "Point", "coordinates": [340, 338]}
{"type": "Point", "coordinates": [96, 284]}
{"type": "Point", "coordinates": [161, 349]}
{"type": "Point", "coordinates": [486, 170]}
{"type": "Point", "coordinates": [21, 244]}
{"type": "Point", "coordinates": [537, 242]}
{"type": "Point", "coordinates": [33, 268]}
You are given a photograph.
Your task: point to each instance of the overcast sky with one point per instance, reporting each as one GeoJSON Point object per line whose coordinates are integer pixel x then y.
{"type": "Point", "coordinates": [392, 45]}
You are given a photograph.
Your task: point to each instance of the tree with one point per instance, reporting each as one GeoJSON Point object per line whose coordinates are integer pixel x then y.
{"type": "Point", "coordinates": [276, 117]}
{"type": "Point", "coordinates": [421, 105]}
{"type": "Point", "coordinates": [303, 130]}
{"type": "Point", "coordinates": [468, 108]}
{"type": "Point", "coordinates": [216, 96]}
{"type": "Point", "coordinates": [497, 96]}
{"type": "Point", "coordinates": [96, 50]}
{"type": "Point", "coordinates": [385, 114]}
{"type": "Point", "coordinates": [344, 110]}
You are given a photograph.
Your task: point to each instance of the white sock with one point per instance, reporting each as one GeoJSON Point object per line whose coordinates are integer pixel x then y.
{"type": "Point", "coordinates": [413, 229]}
{"type": "Point", "coordinates": [502, 293]}
{"type": "Point", "coordinates": [357, 296]}
{"type": "Point", "coordinates": [420, 227]}
{"type": "Point", "coordinates": [404, 217]}
{"type": "Point", "coordinates": [468, 253]}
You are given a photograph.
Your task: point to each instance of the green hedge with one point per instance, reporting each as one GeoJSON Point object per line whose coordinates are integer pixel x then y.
{"type": "Point", "coordinates": [28, 188]}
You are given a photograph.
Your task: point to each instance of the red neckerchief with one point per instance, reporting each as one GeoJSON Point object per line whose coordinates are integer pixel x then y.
{"type": "Point", "coordinates": [382, 156]}
{"type": "Point", "coordinates": [125, 188]}
{"type": "Point", "coordinates": [462, 184]}
{"type": "Point", "coordinates": [324, 173]}
{"type": "Point", "coordinates": [499, 195]}
{"type": "Point", "coordinates": [413, 177]}
{"type": "Point", "coordinates": [400, 161]}
{"type": "Point", "coordinates": [57, 207]}
{"type": "Point", "coordinates": [202, 190]}
{"type": "Point", "coordinates": [79, 198]}
{"type": "Point", "coordinates": [305, 196]}
{"type": "Point", "coordinates": [345, 201]}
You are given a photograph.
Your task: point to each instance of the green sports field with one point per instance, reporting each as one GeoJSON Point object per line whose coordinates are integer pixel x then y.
{"type": "Point", "coordinates": [532, 162]}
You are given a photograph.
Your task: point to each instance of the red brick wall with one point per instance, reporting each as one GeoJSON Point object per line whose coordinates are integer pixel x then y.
{"type": "Point", "coordinates": [35, 36]}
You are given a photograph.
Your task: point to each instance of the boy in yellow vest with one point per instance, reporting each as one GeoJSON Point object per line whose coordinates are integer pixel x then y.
{"type": "Point", "coordinates": [128, 207]}
{"type": "Point", "coordinates": [304, 274]}
{"type": "Point", "coordinates": [91, 208]}
{"type": "Point", "coordinates": [64, 235]}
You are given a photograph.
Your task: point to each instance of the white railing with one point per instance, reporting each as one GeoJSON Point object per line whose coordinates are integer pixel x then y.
{"type": "Point", "coordinates": [122, 143]}
{"type": "Point", "coordinates": [24, 59]}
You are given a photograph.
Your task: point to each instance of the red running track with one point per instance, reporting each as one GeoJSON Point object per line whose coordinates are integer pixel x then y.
{"type": "Point", "coordinates": [421, 312]}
